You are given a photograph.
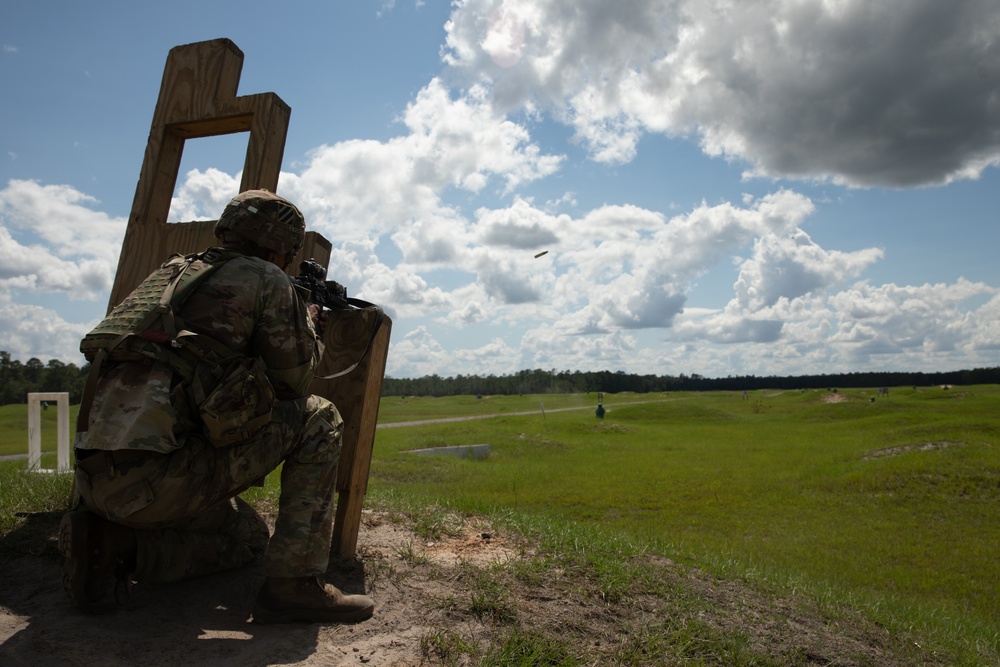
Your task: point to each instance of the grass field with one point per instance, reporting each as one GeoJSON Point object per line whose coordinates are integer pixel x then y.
{"type": "Point", "coordinates": [14, 431]}
{"type": "Point", "coordinates": [888, 506]}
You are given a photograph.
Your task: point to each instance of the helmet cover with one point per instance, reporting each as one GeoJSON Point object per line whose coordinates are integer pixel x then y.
{"type": "Point", "coordinates": [264, 218]}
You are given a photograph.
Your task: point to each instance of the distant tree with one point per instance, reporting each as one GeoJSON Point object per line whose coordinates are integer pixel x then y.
{"type": "Point", "coordinates": [539, 381]}
{"type": "Point", "coordinates": [33, 370]}
{"type": "Point", "coordinates": [17, 380]}
{"type": "Point", "coordinates": [11, 380]}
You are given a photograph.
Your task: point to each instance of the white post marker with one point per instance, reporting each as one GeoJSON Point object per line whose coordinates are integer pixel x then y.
{"type": "Point", "coordinates": [35, 431]}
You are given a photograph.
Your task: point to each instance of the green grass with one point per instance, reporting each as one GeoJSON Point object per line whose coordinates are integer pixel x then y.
{"type": "Point", "coordinates": [14, 430]}
{"type": "Point", "coordinates": [889, 505]}
{"type": "Point", "coordinates": [413, 408]}
{"type": "Point", "coordinates": [622, 604]}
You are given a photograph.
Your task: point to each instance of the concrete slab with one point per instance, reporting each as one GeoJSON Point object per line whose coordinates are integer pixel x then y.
{"type": "Point", "coordinates": [476, 452]}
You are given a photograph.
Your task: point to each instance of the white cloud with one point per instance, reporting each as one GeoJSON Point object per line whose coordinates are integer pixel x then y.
{"type": "Point", "coordinates": [361, 189]}
{"type": "Point", "coordinates": [615, 269]}
{"type": "Point", "coordinates": [631, 268]}
{"type": "Point", "coordinates": [792, 266]}
{"type": "Point", "coordinates": [31, 331]}
{"type": "Point", "coordinates": [51, 240]}
{"type": "Point", "coordinates": [898, 92]}
{"type": "Point", "coordinates": [983, 326]}
{"type": "Point", "coordinates": [611, 276]}
{"type": "Point", "coordinates": [417, 354]}
{"type": "Point", "coordinates": [62, 217]}
{"type": "Point", "coordinates": [876, 327]}
{"type": "Point", "coordinates": [472, 313]}
{"type": "Point", "coordinates": [435, 239]}
{"type": "Point", "coordinates": [459, 142]}
{"type": "Point", "coordinates": [203, 195]}
{"type": "Point", "coordinates": [892, 93]}
{"type": "Point", "coordinates": [502, 281]}
{"type": "Point", "coordinates": [512, 231]}
{"type": "Point", "coordinates": [543, 347]}
{"type": "Point", "coordinates": [893, 319]}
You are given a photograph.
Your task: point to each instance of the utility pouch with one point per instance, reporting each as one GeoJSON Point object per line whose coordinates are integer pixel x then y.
{"type": "Point", "coordinates": [131, 499]}
{"type": "Point", "coordinates": [239, 405]}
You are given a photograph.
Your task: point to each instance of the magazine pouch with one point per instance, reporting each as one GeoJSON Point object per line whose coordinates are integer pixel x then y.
{"type": "Point", "coordinates": [240, 404]}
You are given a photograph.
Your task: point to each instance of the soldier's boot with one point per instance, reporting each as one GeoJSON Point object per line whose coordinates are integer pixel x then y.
{"type": "Point", "coordinates": [289, 599]}
{"type": "Point", "coordinates": [97, 554]}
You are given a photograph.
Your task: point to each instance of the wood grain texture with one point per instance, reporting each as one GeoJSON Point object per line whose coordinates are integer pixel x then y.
{"type": "Point", "coordinates": [197, 99]}
{"type": "Point", "coordinates": [356, 396]}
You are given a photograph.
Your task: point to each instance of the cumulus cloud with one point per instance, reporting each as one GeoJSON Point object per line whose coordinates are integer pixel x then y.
{"type": "Point", "coordinates": [894, 93]}
{"type": "Point", "coordinates": [357, 189]}
{"type": "Point", "coordinates": [544, 347]}
{"type": "Point", "coordinates": [633, 268]}
{"type": "Point", "coordinates": [617, 267]}
{"type": "Point", "coordinates": [518, 234]}
{"type": "Point", "coordinates": [471, 313]}
{"type": "Point", "coordinates": [203, 195]}
{"type": "Point", "coordinates": [792, 266]}
{"type": "Point", "coordinates": [892, 319]}
{"type": "Point", "coordinates": [52, 240]}
{"type": "Point", "coordinates": [436, 223]}
{"type": "Point", "coordinates": [888, 327]}
{"type": "Point", "coordinates": [502, 281]}
{"type": "Point", "coordinates": [32, 331]}
{"type": "Point", "coordinates": [416, 355]}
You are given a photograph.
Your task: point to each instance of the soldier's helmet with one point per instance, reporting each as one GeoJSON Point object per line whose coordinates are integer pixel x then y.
{"type": "Point", "coordinates": [264, 218]}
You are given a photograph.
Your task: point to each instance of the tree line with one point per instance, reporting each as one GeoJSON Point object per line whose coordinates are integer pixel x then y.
{"type": "Point", "coordinates": [17, 379]}
{"type": "Point", "coordinates": [540, 381]}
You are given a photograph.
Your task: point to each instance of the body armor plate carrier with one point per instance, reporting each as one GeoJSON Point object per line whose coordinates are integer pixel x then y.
{"type": "Point", "coordinates": [145, 326]}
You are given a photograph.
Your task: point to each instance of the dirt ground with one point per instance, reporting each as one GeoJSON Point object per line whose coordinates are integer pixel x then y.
{"type": "Point", "coordinates": [206, 621]}
{"type": "Point", "coordinates": [423, 590]}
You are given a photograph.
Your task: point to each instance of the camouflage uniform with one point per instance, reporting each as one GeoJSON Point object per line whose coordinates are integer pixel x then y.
{"type": "Point", "coordinates": [152, 468]}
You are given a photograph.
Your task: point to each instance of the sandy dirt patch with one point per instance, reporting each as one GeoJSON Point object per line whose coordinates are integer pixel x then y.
{"type": "Point", "coordinates": [429, 596]}
{"type": "Point", "coordinates": [206, 621]}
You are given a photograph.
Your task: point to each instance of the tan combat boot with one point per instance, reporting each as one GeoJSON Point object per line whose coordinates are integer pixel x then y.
{"type": "Point", "coordinates": [288, 599]}
{"type": "Point", "coordinates": [96, 553]}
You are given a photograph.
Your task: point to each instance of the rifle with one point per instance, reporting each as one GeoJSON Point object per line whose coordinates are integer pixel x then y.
{"type": "Point", "coordinates": [331, 295]}
{"type": "Point", "coordinates": [328, 294]}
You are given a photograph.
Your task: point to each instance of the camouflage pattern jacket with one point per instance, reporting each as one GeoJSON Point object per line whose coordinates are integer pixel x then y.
{"type": "Point", "coordinates": [247, 304]}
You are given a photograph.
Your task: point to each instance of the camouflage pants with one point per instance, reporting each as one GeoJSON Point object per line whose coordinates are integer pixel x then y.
{"type": "Point", "coordinates": [183, 506]}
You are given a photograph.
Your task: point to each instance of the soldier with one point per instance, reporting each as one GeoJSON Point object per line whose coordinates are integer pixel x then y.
{"type": "Point", "coordinates": [202, 378]}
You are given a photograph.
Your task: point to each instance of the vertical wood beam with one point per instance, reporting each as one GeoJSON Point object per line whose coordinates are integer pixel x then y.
{"type": "Point", "coordinates": [197, 99]}
{"type": "Point", "coordinates": [357, 397]}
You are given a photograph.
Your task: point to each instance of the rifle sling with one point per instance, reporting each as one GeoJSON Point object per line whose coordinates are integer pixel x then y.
{"type": "Point", "coordinates": [379, 317]}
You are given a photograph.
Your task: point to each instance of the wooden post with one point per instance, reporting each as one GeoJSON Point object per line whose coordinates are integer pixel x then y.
{"type": "Point", "coordinates": [198, 99]}
{"type": "Point", "coordinates": [35, 430]}
{"type": "Point", "coordinates": [356, 396]}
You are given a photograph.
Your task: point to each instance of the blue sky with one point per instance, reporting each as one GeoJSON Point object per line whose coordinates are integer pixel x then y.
{"type": "Point", "coordinates": [765, 188]}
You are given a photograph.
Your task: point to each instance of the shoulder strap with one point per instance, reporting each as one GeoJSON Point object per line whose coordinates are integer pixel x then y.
{"type": "Point", "coordinates": [358, 304]}
{"type": "Point", "coordinates": [171, 299]}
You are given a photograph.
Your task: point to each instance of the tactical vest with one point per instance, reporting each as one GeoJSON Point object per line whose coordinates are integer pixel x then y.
{"type": "Point", "coordinates": [230, 392]}
{"type": "Point", "coordinates": [148, 313]}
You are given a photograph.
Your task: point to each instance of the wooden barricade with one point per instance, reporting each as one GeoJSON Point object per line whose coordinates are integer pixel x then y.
{"type": "Point", "coordinates": [198, 99]}
{"type": "Point", "coordinates": [356, 396]}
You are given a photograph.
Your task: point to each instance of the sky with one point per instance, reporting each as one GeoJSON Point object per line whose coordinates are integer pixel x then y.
{"type": "Point", "coordinates": [719, 187]}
